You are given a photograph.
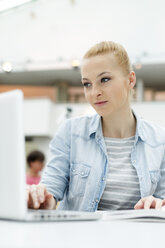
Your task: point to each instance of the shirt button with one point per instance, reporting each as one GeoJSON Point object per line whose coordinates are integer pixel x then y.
{"type": "Point", "coordinates": [96, 200]}
{"type": "Point", "coordinates": [82, 173]}
{"type": "Point", "coordinates": [74, 170]}
{"type": "Point", "coordinates": [134, 161]}
{"type": "Point", "coordinates": [103, 178]}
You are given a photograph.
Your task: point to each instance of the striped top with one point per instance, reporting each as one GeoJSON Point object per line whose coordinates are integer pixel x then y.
{"type": "Point", "coordinates": [122, 190]}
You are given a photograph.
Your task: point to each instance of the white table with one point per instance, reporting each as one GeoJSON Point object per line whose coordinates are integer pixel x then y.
{"type": "Point", "coordinates": [84, 234]}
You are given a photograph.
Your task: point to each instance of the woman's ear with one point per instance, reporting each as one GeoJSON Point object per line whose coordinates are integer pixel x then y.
{"type": "Point", "coordinates": [132, 79]}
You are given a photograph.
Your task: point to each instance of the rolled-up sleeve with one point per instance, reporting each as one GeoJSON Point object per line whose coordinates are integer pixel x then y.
{"type": "Point", "coordinates": [56, 174]}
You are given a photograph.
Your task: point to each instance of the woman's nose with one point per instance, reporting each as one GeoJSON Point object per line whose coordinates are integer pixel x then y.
{"type": "Point", "coordinates": [96, 91]}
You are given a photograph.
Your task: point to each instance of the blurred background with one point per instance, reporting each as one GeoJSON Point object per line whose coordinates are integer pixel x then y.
{"type": "Point", "coordinates": [41, 46]}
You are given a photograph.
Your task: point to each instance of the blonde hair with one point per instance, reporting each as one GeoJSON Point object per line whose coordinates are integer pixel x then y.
{"type": "Point", "coordinates": [106, 47]}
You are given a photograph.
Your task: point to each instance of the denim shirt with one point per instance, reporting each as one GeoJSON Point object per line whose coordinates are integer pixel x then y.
{"type": "Point", "coordinates": [77, 171]}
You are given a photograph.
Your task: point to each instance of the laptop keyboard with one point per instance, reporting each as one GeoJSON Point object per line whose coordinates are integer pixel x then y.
{"type": "Point", "coordinates": [48, 215]}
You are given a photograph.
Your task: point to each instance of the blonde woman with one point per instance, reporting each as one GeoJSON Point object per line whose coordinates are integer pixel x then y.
{"type": "Point", "coordinates": [111, 160]}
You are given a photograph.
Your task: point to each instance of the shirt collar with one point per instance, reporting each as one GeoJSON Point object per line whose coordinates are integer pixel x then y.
{"type": "Point", "coordinates": [95, 127]}
{"type": "Point", "coordinates": [139, 133]}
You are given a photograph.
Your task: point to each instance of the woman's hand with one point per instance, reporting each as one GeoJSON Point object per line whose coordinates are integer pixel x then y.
{"type": "Point", "coordinates": [39, 198]}
{"type": "Point", "coordinates": [149, 202]}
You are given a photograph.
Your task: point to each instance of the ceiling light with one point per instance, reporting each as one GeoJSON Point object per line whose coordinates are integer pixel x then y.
{"type": "Point", "coordinates": [75, 63]}
{"type": "Point", "coordinates": [7, 67]}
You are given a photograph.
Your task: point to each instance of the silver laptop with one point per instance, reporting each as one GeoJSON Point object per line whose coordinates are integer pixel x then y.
{"type": "Point", "coordinates": [13, 204]}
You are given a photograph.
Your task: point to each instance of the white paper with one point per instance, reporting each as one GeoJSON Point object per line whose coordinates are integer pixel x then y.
{"type": "Point", "coordinates": [150, 215]}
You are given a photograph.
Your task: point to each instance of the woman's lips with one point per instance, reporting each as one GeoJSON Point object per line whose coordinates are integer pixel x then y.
{"type": "Point", "coordinates": [101, 103]}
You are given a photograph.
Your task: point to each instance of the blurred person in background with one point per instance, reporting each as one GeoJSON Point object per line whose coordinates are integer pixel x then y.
{"type": "Point", "coordinates": [111, 160]}
{"type": "Point", "coordinates": [35, 161]}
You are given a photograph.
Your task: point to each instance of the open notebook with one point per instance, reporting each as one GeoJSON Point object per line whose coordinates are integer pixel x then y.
{"type": "Point", "coordinates": [150, 215]}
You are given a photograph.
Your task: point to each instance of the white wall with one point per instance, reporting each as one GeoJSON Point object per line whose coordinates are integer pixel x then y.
{"type": "Point", "coordinates": [37, 117]}
{"type": "Point", "coordinates": [43, 117]}
{"type": "Point", "coordinates": [152, 111]}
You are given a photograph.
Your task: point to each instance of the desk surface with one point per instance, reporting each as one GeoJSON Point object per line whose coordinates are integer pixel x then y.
{"type": "Point", "coordinates": [82, 234]}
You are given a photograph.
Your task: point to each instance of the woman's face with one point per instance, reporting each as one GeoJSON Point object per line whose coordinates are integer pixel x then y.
{"type": "Point", "coordinates": [106, 87]}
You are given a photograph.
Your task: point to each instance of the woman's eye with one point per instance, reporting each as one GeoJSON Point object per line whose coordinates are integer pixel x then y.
{"type": "Point", "coordinates": [87, 85]}
{"type": "Point", "coordinates": [104, 80]}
